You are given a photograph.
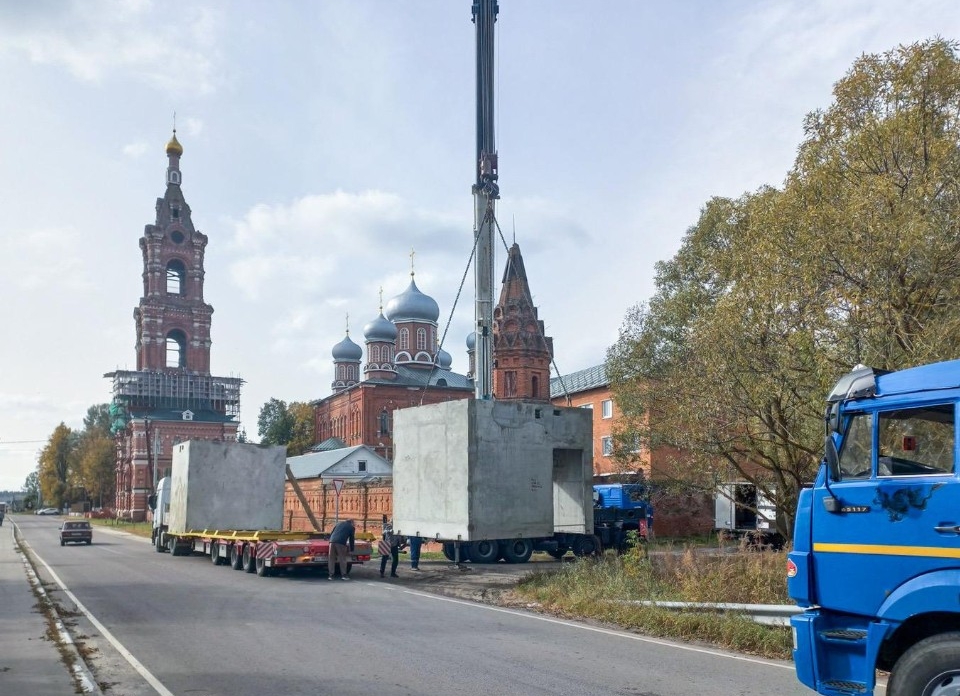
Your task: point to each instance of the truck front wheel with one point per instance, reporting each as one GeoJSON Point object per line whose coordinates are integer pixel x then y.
{"type": "Point", "coordinates": [929, 668]}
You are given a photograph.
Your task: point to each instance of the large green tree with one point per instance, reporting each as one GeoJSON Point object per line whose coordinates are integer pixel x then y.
{"type": "Point", "coordinates": [293, 425]}
{"type": "Point", "coordinates": [772, 296]}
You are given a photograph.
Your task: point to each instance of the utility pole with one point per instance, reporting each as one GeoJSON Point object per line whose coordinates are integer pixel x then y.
{"type": "Point", "coordinates": [485, 194]}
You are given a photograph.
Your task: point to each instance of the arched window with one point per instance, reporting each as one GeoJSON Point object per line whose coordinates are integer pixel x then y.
{"type": "Point", "coordinates": [387, 354]}
{"type": "Point", "coordinates": [535, 387]}
{"type": "Point", "coordinates": [176, 349]}
{"type": "Point", "coordinates": [176, 277]}
{"type": "Point", "coordinates": [384, 428]}
{"type": "Point", "coordinates": [404, 339]}
{"type": "Point", "coordinates": [421, 339]}
{"type": "Point", "coordinates": [374, 353]}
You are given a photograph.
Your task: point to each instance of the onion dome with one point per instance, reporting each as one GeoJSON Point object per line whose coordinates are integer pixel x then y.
{"type": "Point", "coordinates": [444, 360]}
{"type": "Point", "coordinates": [380, 329]}
{"type": "Point", "coordinates": [472, 341]}
{"type": "Point", "coordinates": [174, 147]}
{"type": "Point", "coordinates": [347, 350]}
{"type": "Point", "coordinates": [412, 305]}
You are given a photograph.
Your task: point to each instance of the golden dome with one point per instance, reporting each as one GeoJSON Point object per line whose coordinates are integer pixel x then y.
{"type": "Point", "coordinates": [174, 147]}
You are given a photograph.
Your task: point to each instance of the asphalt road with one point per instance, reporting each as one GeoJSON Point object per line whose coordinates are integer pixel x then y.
{"type": "Point", "coordinates": [154, 624]}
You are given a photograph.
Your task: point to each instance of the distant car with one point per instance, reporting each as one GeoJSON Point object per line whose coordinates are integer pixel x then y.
{"type": "Point", "coordinates": [47, 511]}
{"type": "Point", "coordinates": [76, 531]}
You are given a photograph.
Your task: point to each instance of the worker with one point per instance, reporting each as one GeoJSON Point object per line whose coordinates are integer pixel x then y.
{"type": "Point", "coordinates": [341, 545]}
{"type": "Point", "coordinates": [415, 544]}
{"type": "Point", "coordinates": [389, 547]}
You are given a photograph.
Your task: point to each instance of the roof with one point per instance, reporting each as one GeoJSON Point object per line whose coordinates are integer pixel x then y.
{"type": "Point", "coordinates": [576, 382]}
{"type": "Point", "coordinates": [313, 464]}
{"type": "Point", "coordinates": [331, 443]}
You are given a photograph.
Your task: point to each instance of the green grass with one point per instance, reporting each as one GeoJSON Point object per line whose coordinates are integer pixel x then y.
{"type": "Point", "coordinates": [142, 529]}
{"type": "Point", "coordinates": [603, 589]}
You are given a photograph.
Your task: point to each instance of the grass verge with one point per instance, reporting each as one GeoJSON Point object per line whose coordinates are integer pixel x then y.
{"type": "Point", "coordinates": [603, 589]}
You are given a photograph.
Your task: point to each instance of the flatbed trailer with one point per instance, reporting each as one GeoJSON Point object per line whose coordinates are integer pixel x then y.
{"type": "Point", "coordinates": [263, 552]}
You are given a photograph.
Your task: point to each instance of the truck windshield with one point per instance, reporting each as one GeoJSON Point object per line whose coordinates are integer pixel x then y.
{"type": "Point", "coordinates": [856, 454]}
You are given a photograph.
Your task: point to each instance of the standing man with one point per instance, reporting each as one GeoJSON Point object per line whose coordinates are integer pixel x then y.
{"type": "Point", "coordinates": [341, 544]}
{"type": "Point", "coordinates": [415, 543]}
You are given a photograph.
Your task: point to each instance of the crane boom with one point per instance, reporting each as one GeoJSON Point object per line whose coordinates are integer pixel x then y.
{"type": "Point", "coordinates": [485, 194]}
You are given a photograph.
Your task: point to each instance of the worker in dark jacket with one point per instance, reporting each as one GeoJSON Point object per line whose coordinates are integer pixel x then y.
{"type": "Point", "coordinates": [389, 547]}
{"type": "Point", "coordinates": [341, 544]}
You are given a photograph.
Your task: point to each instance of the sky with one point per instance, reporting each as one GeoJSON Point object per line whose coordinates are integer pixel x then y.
{"type": "Point", "coordinates": [326, 140]}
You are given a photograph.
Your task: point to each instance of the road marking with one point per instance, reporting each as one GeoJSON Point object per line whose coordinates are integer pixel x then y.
{"type": "Point", "coordinates": [127, 655]}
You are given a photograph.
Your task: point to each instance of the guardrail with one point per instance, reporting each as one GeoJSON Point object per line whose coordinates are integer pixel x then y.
{"type": "Point", "coordinates": [769, 614]}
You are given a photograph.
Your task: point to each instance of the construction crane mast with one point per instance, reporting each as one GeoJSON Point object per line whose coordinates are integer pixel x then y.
{"type": "Point", "coordinates": [485, 194]}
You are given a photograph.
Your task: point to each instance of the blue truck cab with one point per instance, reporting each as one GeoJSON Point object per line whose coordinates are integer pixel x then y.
{"type": "Point", "coordinates": [876, 557]}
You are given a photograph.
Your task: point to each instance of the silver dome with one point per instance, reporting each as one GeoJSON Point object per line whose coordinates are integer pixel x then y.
{"type": "Point", "coordinates": [472, 341]}
{"type": "Point", "coordinates": [380, 329]}
{"type": "Point", "coordinates": [444, 360]}
{"type": "Point", "coordinates": [412, 305]}
{"type": "Point", "coordinates": [347, 350]}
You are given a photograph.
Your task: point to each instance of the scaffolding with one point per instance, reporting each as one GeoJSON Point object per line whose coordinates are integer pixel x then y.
{"type": "Point", "coordinates": [154, 389]}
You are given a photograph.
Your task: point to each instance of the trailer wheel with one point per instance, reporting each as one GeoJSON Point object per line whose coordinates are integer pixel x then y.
{"type": "Point", "coordinates": [262, 569]}
{"type": "Point", "coordinates": [249, 562]}
{"type": "Point", "coordinates": [929, 668]}
{"type": "Point", "coordinates": [587, 546]}
{"type": "Point", "coordinates": [236, 559]}
{"type": "Point", "coordinates": [172, 546]}
{"type": "Point", "coordinates": [516, 550]}
{"type": "Point", "coordinates": [215, 553]}
{"type": "Point", "coordinates": [559, 553]}
{"type": "Point", "coordinates": [449, 551]}
{"type": "Point", "coordinates": [484, 551]}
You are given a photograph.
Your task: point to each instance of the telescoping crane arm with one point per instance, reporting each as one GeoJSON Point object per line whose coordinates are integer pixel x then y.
{"type": "Point", "coordinates": [485, 194]}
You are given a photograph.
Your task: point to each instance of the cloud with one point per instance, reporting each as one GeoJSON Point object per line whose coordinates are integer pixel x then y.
{"type": "Point", "coordinates": [135, 149]}
{"type": "Point", "coordinates": [46, 257]}
{"type": "Point", "coordinates": [95, 40]}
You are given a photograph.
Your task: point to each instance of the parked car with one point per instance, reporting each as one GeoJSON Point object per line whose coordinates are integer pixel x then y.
{"type": "Point", "coordinates": [47, 511]}
{"type": "Point", "coordinates": [76, 531]}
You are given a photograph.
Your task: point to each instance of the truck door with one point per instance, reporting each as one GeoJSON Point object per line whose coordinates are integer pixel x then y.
{"type": "Point", "coordinates": [898, 486]}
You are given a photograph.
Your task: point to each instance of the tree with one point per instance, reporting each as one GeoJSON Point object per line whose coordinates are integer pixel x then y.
{"type": "Point", "coordinates": [774, 295]}
{"type": "Point", "coordinates": [31, 490]}
{"type": "Point", "coordinates": [94, 464]}
{"type": "Point", "coordinates": [275, 423]}
{"type": "Point", "coordinates": [291, 425]}
{"type": "Point", "coordinates": [302, 435]}
{"type": "Point", "coordinates": [54, 465]}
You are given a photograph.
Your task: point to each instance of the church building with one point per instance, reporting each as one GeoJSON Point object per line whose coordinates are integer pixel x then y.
{"type": "Point", "coordinates": [402, 365]}
{"type": "Point", "coordinates": [171, 397]}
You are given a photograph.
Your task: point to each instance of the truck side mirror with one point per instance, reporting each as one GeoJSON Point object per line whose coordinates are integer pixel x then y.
{"type": "Point", "coordinates": [152, 501]}
{"type": "Point", "coordinates": [832, 458]}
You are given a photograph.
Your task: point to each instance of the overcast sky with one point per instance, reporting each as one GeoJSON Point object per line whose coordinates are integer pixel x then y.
{"type": "Point", "coordinates": [324, 140]}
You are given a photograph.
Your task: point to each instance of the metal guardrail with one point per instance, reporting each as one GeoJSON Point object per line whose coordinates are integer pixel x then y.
{"type": "Point", "coordinates": [769, 614]}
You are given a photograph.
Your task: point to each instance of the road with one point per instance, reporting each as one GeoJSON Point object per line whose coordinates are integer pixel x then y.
{"type": "Point", "coordinates": [153, 624]}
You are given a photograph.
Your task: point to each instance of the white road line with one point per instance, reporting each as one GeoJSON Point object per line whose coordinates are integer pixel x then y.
{"type": "Point", "coordinates": [127, 655]}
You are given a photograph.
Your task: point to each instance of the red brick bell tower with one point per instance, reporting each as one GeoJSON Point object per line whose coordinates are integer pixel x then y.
{"type": "Point", "coordinates": [171, 397]}
{"type": "Point", "coordinates": [522, 352]}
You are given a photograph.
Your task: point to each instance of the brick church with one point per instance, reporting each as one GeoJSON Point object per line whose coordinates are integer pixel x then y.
{"type": "Point", "coordinates": [171, 397]}
{"type": "Point", "coordinates": [403, 365]}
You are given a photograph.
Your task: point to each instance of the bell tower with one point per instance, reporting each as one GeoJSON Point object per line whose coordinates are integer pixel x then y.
{"type": "Point", "coordinates": [171, 397]}
{"type": "Point", "coordinates": [173, 321]}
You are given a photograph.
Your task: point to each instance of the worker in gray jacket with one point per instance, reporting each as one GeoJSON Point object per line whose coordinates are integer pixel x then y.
{"type": "Point", "coordinates": [341, 544]}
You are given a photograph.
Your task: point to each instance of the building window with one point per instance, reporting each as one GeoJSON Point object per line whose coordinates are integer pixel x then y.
{"type": "Point", "coordinates": [176, 349]}
{"type": "Point", "coordinates": [421, 339]}
{"type": "Point", "coordinates": [535, 387]}
{"type": "Point", "coordinates": [384, 425]}
{"type": "Point", "coordinates": [606, 408]}
{"type": "Point", "coordinates": [374, 353]}
{"type": "Point", "coordinates": [362, 466]}
{"type": "Point", "coordinates": [509, 384]}
{"type": "Point", "coordinates": [176, 272]}
{"type": "Point", "coordinates": [590, 406]}
{"type": "Point", "coordinates": [606, 445]}
{"type": "Point", "coordinates": [404, 339]}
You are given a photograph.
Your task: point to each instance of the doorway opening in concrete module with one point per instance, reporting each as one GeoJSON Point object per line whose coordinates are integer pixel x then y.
{"type": "Point", "coordinates": [568, 490]}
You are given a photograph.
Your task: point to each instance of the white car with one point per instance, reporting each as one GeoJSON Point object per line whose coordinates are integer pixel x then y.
{"type": "Point", "coordinates": [47, 511]}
